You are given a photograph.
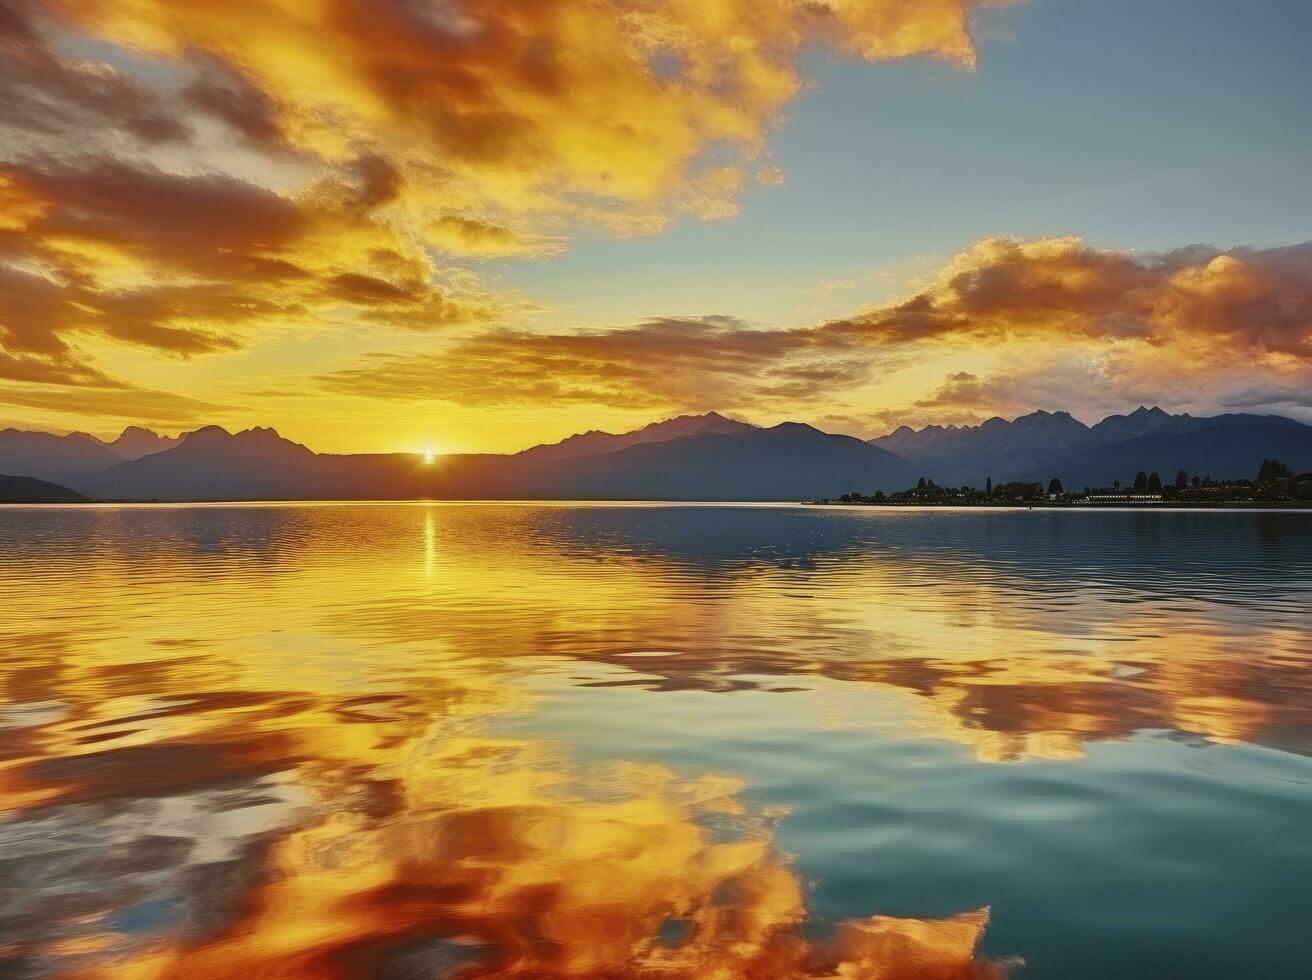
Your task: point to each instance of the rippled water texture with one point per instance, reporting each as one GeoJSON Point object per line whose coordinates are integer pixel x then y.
{"type": "Point", "coordinates": [609, 741]}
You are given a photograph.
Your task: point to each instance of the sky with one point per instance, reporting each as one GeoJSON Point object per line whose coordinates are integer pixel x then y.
{"type": "Point", "coordinates": [477, 225]}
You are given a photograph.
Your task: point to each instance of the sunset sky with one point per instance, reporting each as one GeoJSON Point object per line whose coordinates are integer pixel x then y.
{"type": "Point", "coordinates": [475, 225]}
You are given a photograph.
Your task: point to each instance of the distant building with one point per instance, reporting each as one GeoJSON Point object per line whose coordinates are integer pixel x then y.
{"type": "Point", "coordinates": [1115, 497]}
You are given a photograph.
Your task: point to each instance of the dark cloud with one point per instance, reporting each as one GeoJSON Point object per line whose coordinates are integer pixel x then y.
{"type": "Point", "coordinates": [367, 289]}
{"type": "Point", "coordinates": [190, 223]}
{"type": "Point", "coordinates": [228, 96]}
{"type": "Point", "coordinates": [378, 181]}
{"type": "Point", "coordinates": [56, 370]}
{"type": "Point", "coordinates": [712, 361]}
{"type": "Point", "coordinates": [49, 96]}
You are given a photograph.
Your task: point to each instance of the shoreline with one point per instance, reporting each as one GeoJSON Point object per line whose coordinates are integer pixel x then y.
{"type": "Point", "coordinates": [1077, 505]}
{"type": "Point", "coordinates": [1234, 505]}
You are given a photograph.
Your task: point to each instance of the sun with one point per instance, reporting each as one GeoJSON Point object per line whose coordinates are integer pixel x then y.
{"type": "Point", "coordinates": [429, 456]}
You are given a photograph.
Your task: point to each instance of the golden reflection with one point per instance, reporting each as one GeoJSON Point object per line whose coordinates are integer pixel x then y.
{"type": "Point", "coordinates": [1013, 681]}
{"type": "Point", "coordinates": [430, 545]}
{"type": "Point", "coordinates": [268, 741]}
{"type": "Point", "coordinates": [488, 860]}
{"type": "Point", "coordinates": [382, 835]}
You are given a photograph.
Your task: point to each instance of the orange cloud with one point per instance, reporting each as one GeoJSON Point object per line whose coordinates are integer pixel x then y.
{"type": "Point", "coordinates": [1062, 289]}
{"type": "Point", "coordinates": [192, 264]}
{"type": "Point", "coordinates": [524, 103]}
{"type": "Point", "coordinates": [108, 399]}
{"type": "Point", "coordinates": [1096, 385]}
{"type": "Point", "coordinates": [1067, 322]}
{"type": "Point", "coordinates": [228, 168]}
{"type": "Point", "coordinates": [1076, 327]}
{"type": "Point", "coordinates": [470, 236]}
{"type": "Point", "coordinates": [390, 138]}
{"type": "Point", "coordinates": [686, 362]}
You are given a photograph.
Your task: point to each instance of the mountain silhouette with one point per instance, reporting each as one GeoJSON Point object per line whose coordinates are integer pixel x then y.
{"type": "Point", "coordinates": [1042, 445]}
{"type": "Point", "coordinates": [1140, 422]}
{"type": "Point", "coordinates": [786, 462]}
{"type": "Point", "coordinates": [75, 460]}
{"type": "Point", "coordinates": [29, 490]}
{"type": "Point", "coordinates": [972, 453]}
{"type": "Point", "coordinates": [1227, 447]}
{"type": "Point", "coordinates": [214, 464]}
{"type": "Point", "coordinates": [697, 457]}
{"type": "Point", "coordinates": [135, 442]}
{"type": "Point", "coordinates": [593, 442]}
{"type": "Point", "coordinates": [72, 460]}
{"type": "Point", "coordinates": [789, 461]}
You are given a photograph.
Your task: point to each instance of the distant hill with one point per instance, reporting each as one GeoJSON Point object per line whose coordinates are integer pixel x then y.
{"type": "Point", "coordinates": [28, 490]}
{"type": "Point", "coordinates": [1042, 445]}
{"type": "Point", "coordinates": [593, 443]}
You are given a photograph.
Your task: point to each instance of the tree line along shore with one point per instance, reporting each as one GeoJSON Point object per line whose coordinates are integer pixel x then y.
{"type": "Point", "coordinates": [1275, 485]}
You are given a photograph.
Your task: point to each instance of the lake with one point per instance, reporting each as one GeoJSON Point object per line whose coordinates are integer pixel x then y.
{"type": "Point", "coordinates": [420, 740]}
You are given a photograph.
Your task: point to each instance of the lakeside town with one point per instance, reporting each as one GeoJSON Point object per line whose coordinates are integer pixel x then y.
{"type": "Point", "coordinates": [1275, 485]}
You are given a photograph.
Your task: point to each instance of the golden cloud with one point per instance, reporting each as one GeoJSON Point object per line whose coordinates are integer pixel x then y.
{"type": "Point", "coordinates": [109, 399]}
{"type": "Point", "coordinates": [1197, 328]}
{"type": "Point", "coordinates": [688, 362]}
{"type": "Point", "coordinates": [469, 236]}
{"type": "Point", "coordinates": [1100, 384]}
{"type": "Point", "coordinates": [188, 264]}
{"type": "Point", "coordinates": [269, 162]}
{"type": "Point", "coordinates": [1107, 327]}
{"type": "Point", "coordinates": [523, 103]}
{"type": "Point", "coordinates": [1258, 301]}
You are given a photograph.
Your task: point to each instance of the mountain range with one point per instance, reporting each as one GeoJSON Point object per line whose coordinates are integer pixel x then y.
{"type": "Point", "coordinates": [697, 457]}
{"type": "Point", "coordinates": [74, 459]}
{"type": "Point", "coordinates": [1042, 445]}
{"type": "Point", "coordinates": [688, 458]}
{"type": "Point", "coordinates": [595, 443]}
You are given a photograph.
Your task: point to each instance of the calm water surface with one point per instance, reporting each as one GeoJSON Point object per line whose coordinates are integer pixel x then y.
{"type": "Point", "coordinates": [606, 741]}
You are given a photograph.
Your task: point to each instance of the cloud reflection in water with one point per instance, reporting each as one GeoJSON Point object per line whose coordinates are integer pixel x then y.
{"type": "Point", "coordinates": [269, 740]}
